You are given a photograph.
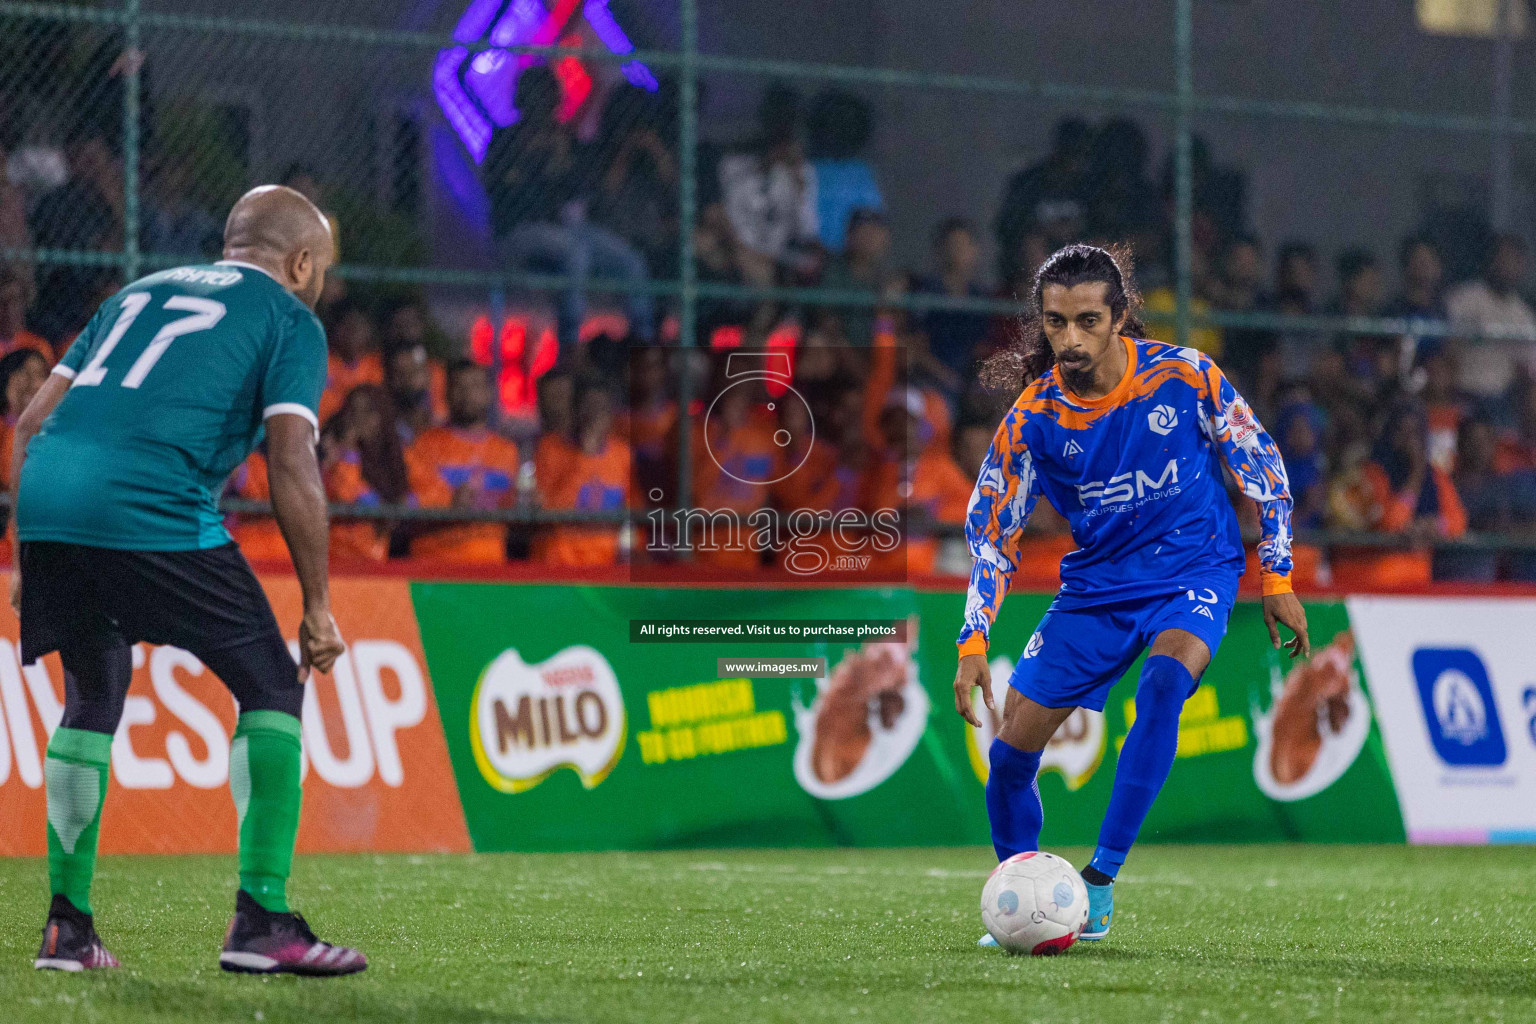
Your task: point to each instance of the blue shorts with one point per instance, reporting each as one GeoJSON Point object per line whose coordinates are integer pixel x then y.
{"type": "Point", "coordinates": [1077, 654]}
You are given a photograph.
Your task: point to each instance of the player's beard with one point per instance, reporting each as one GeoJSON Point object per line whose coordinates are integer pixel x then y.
{"type": "Point", "coordinates": [1079, 381]}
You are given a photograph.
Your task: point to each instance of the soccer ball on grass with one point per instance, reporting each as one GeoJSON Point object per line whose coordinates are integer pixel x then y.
{"type": "Point", "coordinates": [1035, 903]}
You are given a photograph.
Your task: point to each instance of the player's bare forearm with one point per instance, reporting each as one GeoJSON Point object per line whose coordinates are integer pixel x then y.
{"type": "Point", "coordinates": [298, 501]}
{"type": "Point", "coordinates": [1285, 609]}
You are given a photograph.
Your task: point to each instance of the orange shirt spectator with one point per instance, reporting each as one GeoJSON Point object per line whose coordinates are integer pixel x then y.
{"type": "Point", "coordinates": [649, 428]}
{"type": "Point", "coordinates": [415, 384]}
{"type": "Point", "coordinates": [1399, 492]}
{"type": "Point", "coordinates": [819, 471]}
{"type": "Point", "coordinates": [363, 464]}
{"type": "Point", "coordinates": [1042, 547]}
{"type": "Point", "coordinates": [931, 485]}
{"type": "Point", "coordinates": [408, 325]}
{"type": "Point", "coordinates": [554, 452]}
{"type": "Point", "coordinates": [360, 539]}
{"type": "Point", "coordinates": [652, 416]}
{"type": "Point", "coordinates": [940, 493]}
{"type": "Point", "coordinates": [553, 457]}
{"type": "Point", "coordinates": [815, 480]}
{"type": "Point", "coordinates": [1444, 409]}
{"type": "Point", "coordinates": [888, 483]}
{"type": "Point", "coordinates": [354, 357]}
{"type": "Point", "coordinates": [596, 480]}
{"type": "Point", "coordinates": [469, 466]}
{"type": "Point", "coordinates": [474, 468]}
{"type": "Point", "coordinates": [805, 473]}
{"type": "Point", "coordinates": [259, 538]}
{"type": "Point", "coordinates": [341, 377]}
{"type": "Point", "coordinates": [735, 460]}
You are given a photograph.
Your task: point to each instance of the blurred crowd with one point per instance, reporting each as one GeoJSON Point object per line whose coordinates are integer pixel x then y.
{"type": "Point", "coordinates": [1397, 432]}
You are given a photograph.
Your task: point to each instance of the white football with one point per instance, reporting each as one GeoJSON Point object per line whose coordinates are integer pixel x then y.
{"type": "Point", "coordinates": [1035, 903]}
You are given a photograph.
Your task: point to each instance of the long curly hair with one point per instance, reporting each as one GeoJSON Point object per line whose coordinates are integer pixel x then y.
{"type": "Point", "coordinates": [1030, 355]}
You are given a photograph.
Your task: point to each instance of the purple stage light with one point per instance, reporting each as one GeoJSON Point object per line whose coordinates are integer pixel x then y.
{"type": "Point", "coordinates": [472, 126]}
{"type": "Point", "coordinates": [519, 22]}
{"type": "Point", "coordinates": [639, 75]}
{"type": "Point", "coordinates": [476, 96]}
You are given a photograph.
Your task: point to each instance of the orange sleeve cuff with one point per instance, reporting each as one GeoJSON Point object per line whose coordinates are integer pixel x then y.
{"type": "Point", "coordinates": [1274, 583]}
{"type": "Point", "coordinates": [976, 643]}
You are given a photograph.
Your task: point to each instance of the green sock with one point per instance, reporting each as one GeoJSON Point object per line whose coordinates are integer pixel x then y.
{"type": "Point", "coordinates": [264, 778]}
{"type": "Point", "coordinates": [76, 771]}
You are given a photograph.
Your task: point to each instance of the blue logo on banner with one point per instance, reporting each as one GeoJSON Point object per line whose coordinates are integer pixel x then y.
{"type": "Point", "coordinates": [1458, 706]}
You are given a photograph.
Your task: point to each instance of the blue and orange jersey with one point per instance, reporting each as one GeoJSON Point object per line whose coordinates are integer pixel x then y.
{"type": "Point", "coordinates": [649, 429]}
{"type": "Point", "coordinates": [1137, 475]}
{"type": "Point", "coordinates": [597, 482]}
{"type": "Point", "coordinates": [724, 475]}
{"type": "Point", "coordinates": [366, 539]}
{"type": "Point", "coordinates": [478, 465]}
{"type": "Point", "coordinates": [553, 456]}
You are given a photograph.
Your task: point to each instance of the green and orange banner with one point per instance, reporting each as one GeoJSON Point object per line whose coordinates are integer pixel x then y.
{"type": "Point", "coordinates": [538, 716]}
{"type": "Point", "coordinates": [376, 766]}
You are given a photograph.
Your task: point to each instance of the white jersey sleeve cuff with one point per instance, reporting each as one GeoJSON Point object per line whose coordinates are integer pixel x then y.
{"type": "Point", "coordinates": [64, 371]}
{"type": "Point", "coordinates": [292, 409]}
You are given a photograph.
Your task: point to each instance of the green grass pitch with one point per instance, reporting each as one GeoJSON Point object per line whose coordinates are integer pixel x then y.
{"type": "Point", "coordinates": [1202, 933]}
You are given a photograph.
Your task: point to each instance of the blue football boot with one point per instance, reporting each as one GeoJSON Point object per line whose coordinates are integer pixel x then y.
{"type": "Point", "coordinates": [1101, 911]}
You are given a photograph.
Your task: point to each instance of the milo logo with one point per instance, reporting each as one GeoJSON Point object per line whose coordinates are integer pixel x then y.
{"type": "Point", "coordinates": [528, 720]}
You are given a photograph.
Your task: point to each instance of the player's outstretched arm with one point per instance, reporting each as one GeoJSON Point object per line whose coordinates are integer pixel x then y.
{"type": "Point", "coordinates": [1255, 461]}
{"type": "Point", "coordinates": [27, 425]}
{"type": "Point", "coordinates": [298, 499]}
{"type": "Point", "coordinates": [1005, 494]}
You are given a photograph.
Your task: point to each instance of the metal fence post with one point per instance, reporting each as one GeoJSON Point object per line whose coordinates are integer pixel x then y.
{"type": "Point", "coordinates": [1183, 170]}
{"type": "Point", "coordinates": [1501, 168]}
{"type": "Point", "coordinates": [133, 53]}
{"type": "Point", "coordinates": [688, 152]}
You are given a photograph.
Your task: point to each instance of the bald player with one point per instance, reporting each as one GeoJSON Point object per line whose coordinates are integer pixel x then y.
{"type": "Point", "coordinates": [119, 461]}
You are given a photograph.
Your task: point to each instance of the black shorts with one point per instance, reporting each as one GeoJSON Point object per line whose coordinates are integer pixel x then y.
{"type": "Point", "coordinates": [78, 597]}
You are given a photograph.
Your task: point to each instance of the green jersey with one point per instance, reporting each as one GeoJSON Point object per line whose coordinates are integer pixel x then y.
{"type": "Point", "coordinates": [171, 383]}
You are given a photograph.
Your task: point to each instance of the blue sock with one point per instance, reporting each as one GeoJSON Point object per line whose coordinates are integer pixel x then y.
{"type": "Point", "coordinates": [1013, 800]}
{"type": "Point", "coordinates": [1145, 760]}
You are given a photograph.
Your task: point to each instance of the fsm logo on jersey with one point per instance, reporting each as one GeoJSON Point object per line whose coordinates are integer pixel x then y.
{"type": "Point", "coordinates": [1459, 708]}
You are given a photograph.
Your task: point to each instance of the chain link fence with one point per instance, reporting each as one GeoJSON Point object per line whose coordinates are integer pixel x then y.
{"type": "Point", "coordinates": [514, 180]}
